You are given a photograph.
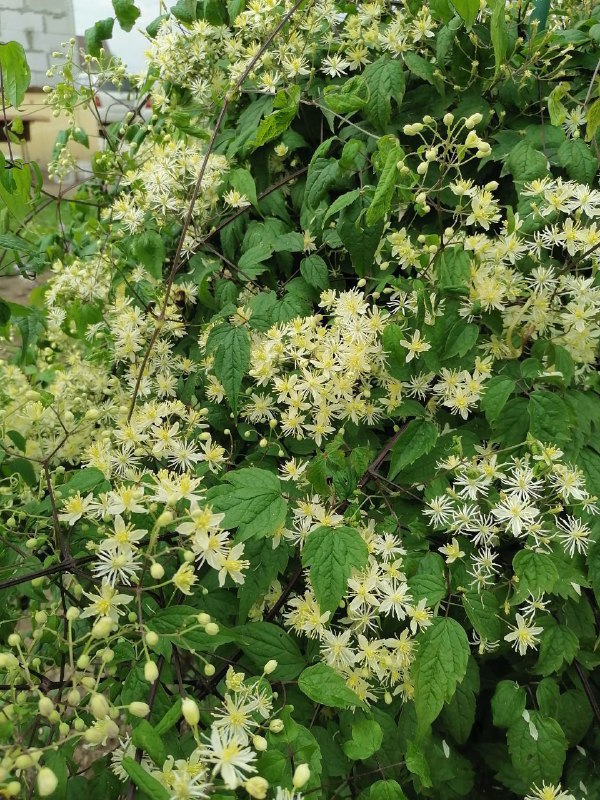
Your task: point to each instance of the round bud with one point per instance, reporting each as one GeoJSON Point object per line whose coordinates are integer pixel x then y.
{"type": "Point", "coordinates": [73, 613]}
{"type": "Point", "coordinates": [74, 697]}
{"type": "Point", "coordinates": [301, 776]}
{"type": "Point", "coordinates": [209, 670]}
{"type": "Point", "coordinates": [203, 619]}
{"type": "Point", "coordinates": [190, 711]}
{"type": "Point", "coordinates": [150, 671]}
{"type": "Point", "coordinates": [83, 662]}
{"type": "Point", "coordinates": [166, 518]}
{"type": "Point", "coordinates": [102, 628]}
{"type": "Point", "coordinates": [157, 571]}
{"type": "Point", "coordinates": [99, 706]}
{"type": "Point", "coordinates": [259, 743]}
{"type": "Point", "coordinates": [45, 706]}
{"type": "Point", "coordinates": [270, 667]}
{"type": "Point", "coordinates": [14, 640]}
{"type": "Point", "coordinates": [152, 638]}
{"type": "Point", "coordinates": [211, 629]}
{"type": "Point", "coordinates": [263, 443]}
{"type": "Point", "coordinates": [46, 782]}
{"type": "Point", "coordinates": [138, 709]}
{"type": "Point", "coordinates": [276, 725]}
{"type": "Point", "coordinates": [257, 787]}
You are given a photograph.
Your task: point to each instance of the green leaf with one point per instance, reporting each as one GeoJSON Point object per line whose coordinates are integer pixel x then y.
{"type": "Point", "coordinates": [416, 763]}
{"type": "Point", "coordinates": [148, 739]}
{"type": "Point", "coordinates": [286, 102]}
{"type": "Point", "coordinates": [251, 263]}
{"type": "Point", "coordinates": [97, 34]}
{"type": "Point", "coordinates": [126, 13]}
{"type": "Point", "coordinates": [578, 160]}
{"type": "Point", "coordinates": [314, 271]}
{"type": "Point", "coordinates": [537, 573]}
{"type": "Point", "coordinates": [242, 180]}
{"type": "Point", "coordinates": [458, 716]}
{"type": "Point", "coordinates": [548, 417]}
{"type": "Point", "coordinates": [461, 338]}
{"type": "Point", "coordinates": [185, 10]}
{"type": "Point", "coordinates": [508, 703]}
{"type": "Point", "coordinates": [230, 346]}
{"type": "Point", "coordinates": [148, 248]}
{"type": "Point", "coordinates": [593, 120]}
{"type": "Point", "coordinates": [386, 790]}
{"type": "Point", "coordinates": [483, 610]}
{"type": "Point", "coordinates": [144, 781]}
{"type": "Point", "coordinates": [467, 10]}
{"type": "Point", "coordinates": [453, 270]}
{"type": "Point", "coordinates": [496, 392]}
{"type": "Point", "coordinates": [417, 439]}
{"type": "Point", "coordinates": [174, 622]}
{"type": "Point", "coordinates": [323, 173]}
{"type": "Point", "coordinates": [332, 554]}
{"type": "Point", "coordinates": [323, 685]}
{"type": "Point", "coordinates": [557, 111]}
{"type": "Point", "coordinates": [541, 9]}
{"type": "Point", "coordinates": [16, 74]}
{"type": "Point", "coordinates": [498, 33]}
{"type": "Point", "coordinates": [262, 641]}
{"type": "Point", "coordinates": [367, 737]}
{"type": "Point", "coordinates": [385, 81]}
{"type": "Point", "coordinates": [348, 97]}
{"type": "Point", "coordinates": [526, 163]}
{"type": "Point", "coordinates": [537, 748]}
{"type": "Point", "coordinates": [382, 200]}
{"type": "Point", "coordinates": [340, 203]}
{"type": "Point", "coordinates": [253, 503]}
{"type": "Point", "coordinates": [558, 645]}
{"type": "Point", "coordinates": [170, 719]}
{"type": "Point", "coordinates": [420, 67]}
{"type": "Point", "coordinates": [360, 240]}
{"type": "Point", "coordinates": [439, 666]}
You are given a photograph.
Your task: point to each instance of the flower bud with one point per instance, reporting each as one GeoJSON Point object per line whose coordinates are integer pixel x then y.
{"type": "Point", "coordinates": [301, 776]}
{"type": "Point", "coordinates": [99, 706]}
{"type": "Point", "coordinates": [150, 671]}
{"type": "Point", "coordinates": [45, 706]}
{"type": "Point", "coordinates": [73, 613]}
{"type": "Point", "coordinates": [190, 711]}
{"type": "Point", "coordinates": [46, 782]}
{"type": "Point", "coordinates": [448, 119]}
{"type": "Point", "coordinates": [257, 787]}
{"type": "Point", "coordinates": [14, 640]}
{"type": "Point", "coordinates": [270, 667]}
{"type": "Point", "coordinates": [13, 789]}
{"type": "Point", "coordinates": [259, 743]}
{"type": "Point", "coordinates": [152, 638]}
{"type": "Point", "coordinates": [138, 709]}
{"type": "Point", "coordinates": [209, 670]}
{"type": "Point", "coordinates": [157, 571]}
{"type": "Point", "coordinates": [102, 628]}
{"type": "Point", "coordinates": [211, 629]}
{"type": "Point", "coordinates": [203, 619]}
{"type": "Point", "coordinates": [276, 725]}
{"type": "Point", "coordinates": [166, 518]}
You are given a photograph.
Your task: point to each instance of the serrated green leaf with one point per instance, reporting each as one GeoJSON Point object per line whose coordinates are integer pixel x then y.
{"type": "Point", "coordinates": [385, 81]}
{"type": "Point", "coordinates": [332, 554]}
{"type": "Point", "coordinates": [508, 703]}
{"type": "Point", "coordinates": [439, 666]}
{"type": "Point", "coordinates": [578, 160]}
{"type": "Point", "coordinates": [558, 645]}
{"type": "Point", "coordinates": [593, 120]}
{"type": "Point", "coordinates": [253, 503]}
{"type": "Point", "coordinates": [526, 163]}
{"type": "Point", "coordinates": [97, 34]}
{"type": "Point", "coordinates": [148, 739]}
{"type": "Point", "coordinates": [367, 737]}
{"type": "Point", "coordinates": [126, 13]}
{"type": "Point", "coordinates": [286, 102]}
{"type": "Point", "coordinates": [453, 269]}
{"type": "Point", "coordinates": [382, 199]}
{"type": "Point", "coordinates": [323, 685]}
{"type": "Point", "coordinates": [548, 417]}
{"type": "Point", "coordinates": [537, 573]}
{"type": "Point", "coordinates": [537, 748]}
{"type": "Point", "coordinates": [417, 439]}
{"type": "Point", "coordinates": [495, 394]}
{"type": "Point", "coordinates": [16, 74]}
{"type": "Point", "coordinates": [230, 347]}
{"type": "Point", "coordinates": [262, 641]}
{"type": "Point", "coordinates": [386, 790]}
{"type": "Point", "coordinates": [314, 271]}
{"type": "Point", "coordinates": [148, 248]}
{"type": "Point", "coordinates": [467, 10]}
{"type": "Point", "coordinates": [483, 610]}
{"type": "Point", "coordinates": [498, 33]}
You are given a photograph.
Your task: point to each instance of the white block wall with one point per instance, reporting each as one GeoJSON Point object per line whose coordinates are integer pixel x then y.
{"type": "Point", "coordinates": [40, 26]}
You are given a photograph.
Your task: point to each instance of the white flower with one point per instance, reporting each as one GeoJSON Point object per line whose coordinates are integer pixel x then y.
{"type": "Point", "coordinates": [516, 512]}
{"type": "Point", "coordinates": [232, 761]}
{"type": "Point", "coordinates": [106, 603]}
{"type": "Point", "coordinates": [75, 507]}
{"type": "Point", "coordinates": [523, 635]}
{"type": "Point", "coordinates": [574, 536]}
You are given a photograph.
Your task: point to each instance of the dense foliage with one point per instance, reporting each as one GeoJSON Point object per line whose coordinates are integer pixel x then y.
{"type": "Point", "coordinates": [300, 441]}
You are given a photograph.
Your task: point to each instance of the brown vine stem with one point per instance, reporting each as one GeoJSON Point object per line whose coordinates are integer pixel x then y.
{"type": "Point", "coordinates": [368, 474]}
{"type": "Point", "coordinates": [587, 687]}
{"type": "Point", "coordinates": [177, 258]}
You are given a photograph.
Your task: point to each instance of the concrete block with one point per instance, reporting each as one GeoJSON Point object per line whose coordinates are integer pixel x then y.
{"type": "Point", "coordinates": [49, 42]}
{"type": "Point", "coordinates": [63, 26]}
{"type": "Point", "coordinates": [21, 20]}
{"type": "Point", "coordinates": [6, 5]}
{"type": "Point", "coordinates": [57, 7]}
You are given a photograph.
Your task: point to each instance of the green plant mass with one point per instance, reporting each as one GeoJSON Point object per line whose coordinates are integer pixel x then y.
{"type": "Point", "coordinates": [300, 428]}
